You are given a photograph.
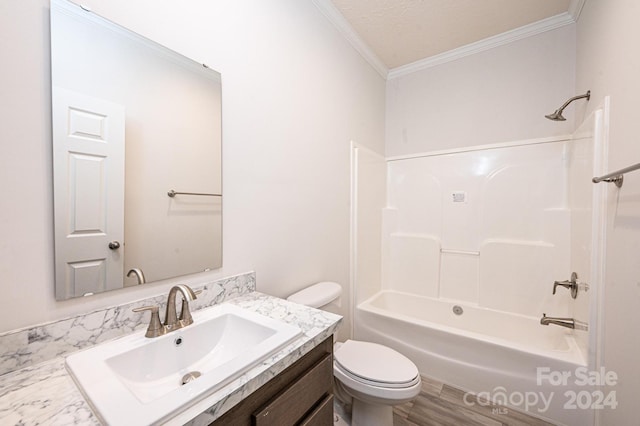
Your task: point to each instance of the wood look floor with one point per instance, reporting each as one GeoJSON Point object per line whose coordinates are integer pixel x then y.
{"type": "Point", "coordinates": [439, 404]}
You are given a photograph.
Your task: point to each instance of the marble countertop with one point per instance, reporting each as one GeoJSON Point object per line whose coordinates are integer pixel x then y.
{"type": "Point", "coordinates": [45, 394]}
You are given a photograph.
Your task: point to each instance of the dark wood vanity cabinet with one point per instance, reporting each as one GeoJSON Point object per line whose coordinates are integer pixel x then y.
{"type": "Point", "coordinates": [300, 395]}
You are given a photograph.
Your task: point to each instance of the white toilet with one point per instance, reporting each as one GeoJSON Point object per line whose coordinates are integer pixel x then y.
{"type": "Point", "coordinates": [374, 376]}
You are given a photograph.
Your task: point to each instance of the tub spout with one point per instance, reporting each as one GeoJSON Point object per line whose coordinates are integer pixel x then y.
{"type": "Point", "coordinates": [563, 322]}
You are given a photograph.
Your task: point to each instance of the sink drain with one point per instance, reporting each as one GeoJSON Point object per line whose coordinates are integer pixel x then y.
{"type": "Point", "coordinates": [190, 377]}
{"type": "Point", "coordinates": [457, 310]}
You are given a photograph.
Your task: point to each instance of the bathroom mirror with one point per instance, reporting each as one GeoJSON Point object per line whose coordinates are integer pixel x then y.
{"type": "Point", "coordinates": [132, 122]}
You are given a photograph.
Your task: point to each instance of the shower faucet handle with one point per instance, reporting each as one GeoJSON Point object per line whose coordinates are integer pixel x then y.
{"type": "Point", "coordinates": [571, 284]}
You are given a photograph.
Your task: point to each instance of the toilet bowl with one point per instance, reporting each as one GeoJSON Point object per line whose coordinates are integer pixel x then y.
{"type": "Point", "coordinates": [374, 377]}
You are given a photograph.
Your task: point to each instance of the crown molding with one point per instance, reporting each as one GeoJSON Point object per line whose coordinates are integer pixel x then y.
{"type": "Point", "coordinates": [482, 45]}
{"type": "Point", "coordinates": [342, 25]}
{"type": "Point", "coordinates": [575, 9]}
{"type": "Point", "coordinates": [334, 16]}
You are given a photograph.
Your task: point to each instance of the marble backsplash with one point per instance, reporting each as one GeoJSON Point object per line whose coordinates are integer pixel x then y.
{"type": "Point", "coordinates": [29, 346]}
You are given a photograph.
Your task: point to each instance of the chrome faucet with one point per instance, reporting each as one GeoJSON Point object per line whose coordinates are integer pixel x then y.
{"type": "Point", "coordinates": [138, 273]}
{"type": "Point", "coordinates": [171, 320]}
{"type": "Point", "coordinates": [563, 322]}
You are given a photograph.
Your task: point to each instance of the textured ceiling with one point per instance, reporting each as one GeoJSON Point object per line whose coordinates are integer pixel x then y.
{"type": "Point", "coordinates": [404, 31]}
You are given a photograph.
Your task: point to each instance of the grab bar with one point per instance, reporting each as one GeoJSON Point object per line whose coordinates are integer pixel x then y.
{"type": "Point", "coordinates": [616, 177]}
{"type": "Point", "coordinates": [173, 193]}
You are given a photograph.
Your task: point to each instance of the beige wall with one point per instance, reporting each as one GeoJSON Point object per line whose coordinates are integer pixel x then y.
{"type": "Point", "coordinates": [295, 93]}
{"type": "Point", "coordinates": [608, 63]}
{"type": "Point", "coordinates": [498, 95]}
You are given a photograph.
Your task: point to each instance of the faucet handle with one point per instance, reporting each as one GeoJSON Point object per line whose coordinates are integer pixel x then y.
{"type": "Point", "coordinates": [571, 284]}
{"type": "Point", "coordinates": [185, 313]}
{"type": "Point", "coordinates": [155, 327]}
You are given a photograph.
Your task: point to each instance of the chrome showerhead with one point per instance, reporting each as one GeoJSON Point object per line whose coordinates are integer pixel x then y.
{"type": "Point", "coordinates": [557, 115]}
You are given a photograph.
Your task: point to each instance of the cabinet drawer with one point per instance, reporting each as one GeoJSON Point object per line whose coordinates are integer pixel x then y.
{"type": "Point", "coordinates": [292, 404]}
{"type": "Point", "coordinates": [322, 415]}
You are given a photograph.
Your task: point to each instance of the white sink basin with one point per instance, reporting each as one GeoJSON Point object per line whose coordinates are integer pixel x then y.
{"type": "Point", "coordinates": [138, 380]}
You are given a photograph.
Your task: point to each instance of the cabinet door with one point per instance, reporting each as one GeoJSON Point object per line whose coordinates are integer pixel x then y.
{"type": "Point", "coordinates": [292, 405]}
{"type": "Point", "coordinates": [244, 413]}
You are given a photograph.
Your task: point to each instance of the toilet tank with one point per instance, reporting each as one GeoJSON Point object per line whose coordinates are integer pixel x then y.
{"type": "Point", "coordinates": [319, 295]}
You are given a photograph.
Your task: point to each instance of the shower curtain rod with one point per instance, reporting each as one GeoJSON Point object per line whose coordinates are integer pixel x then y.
{"type": "Point", "coordinates": [616, 177]}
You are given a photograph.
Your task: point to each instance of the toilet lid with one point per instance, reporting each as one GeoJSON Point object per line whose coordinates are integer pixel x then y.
{"type": "Point", "coordinates": [375, 363]}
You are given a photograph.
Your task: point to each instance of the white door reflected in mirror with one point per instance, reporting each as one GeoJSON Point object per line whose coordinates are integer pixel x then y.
{"type": "Point", "coordinates": [88, 159]}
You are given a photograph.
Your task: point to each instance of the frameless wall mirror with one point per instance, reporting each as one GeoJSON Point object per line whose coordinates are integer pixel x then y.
{"type": "Point", "coordinates": [137, 157]}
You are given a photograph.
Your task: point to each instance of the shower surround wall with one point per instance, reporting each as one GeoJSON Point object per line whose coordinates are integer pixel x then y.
{"type": "Point", "coordinates": [489, 229]}
{"type": "Point", "coordinates": [486, 228]}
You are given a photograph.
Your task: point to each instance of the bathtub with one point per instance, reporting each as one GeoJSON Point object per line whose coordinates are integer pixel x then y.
{"type": "Point", "coordinates": [491, 353]}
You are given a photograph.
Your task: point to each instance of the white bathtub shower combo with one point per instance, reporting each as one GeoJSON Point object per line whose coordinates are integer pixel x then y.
{"type": "Point", "coordinates": [455, 263]}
